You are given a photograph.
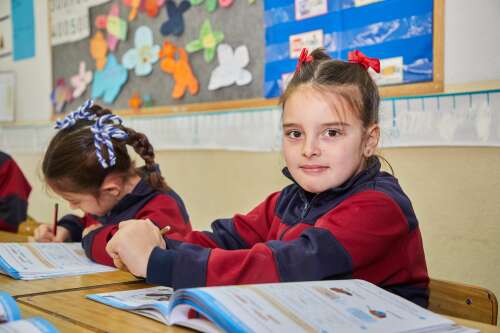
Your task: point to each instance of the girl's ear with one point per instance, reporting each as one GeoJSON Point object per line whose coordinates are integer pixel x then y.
{"type": "Point", "coordinates": [112, 185]}
{"type": "Point", "coordinates": [372, 138]}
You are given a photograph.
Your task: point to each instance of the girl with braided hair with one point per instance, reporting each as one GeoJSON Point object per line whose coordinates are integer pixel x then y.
{"type": "Point", "coordinates": [87, 164]}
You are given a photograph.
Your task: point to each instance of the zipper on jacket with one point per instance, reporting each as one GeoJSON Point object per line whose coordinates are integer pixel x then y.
{"type": "Point", "coordinates": [305, 210]}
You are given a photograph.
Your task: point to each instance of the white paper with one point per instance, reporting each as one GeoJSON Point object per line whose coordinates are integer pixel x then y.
{"type": "Point", "coordinates": [69, 19]}
{"type": "Point", "coordinates": [310, 40]}
{"type": "Point", "coordinates": [7, 97]}
{"type": "Point", "coordinates": [324, 306]}
{"type": "Point", "coordinates": [29, 261]}
{"type": "Point", "coordinates": [231, 69]}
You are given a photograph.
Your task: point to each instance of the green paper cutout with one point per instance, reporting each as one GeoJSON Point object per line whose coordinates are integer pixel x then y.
{"type": "Point", "coordinates": [211, 5]}
{"type": "Point", "coordinates": [208, 41]}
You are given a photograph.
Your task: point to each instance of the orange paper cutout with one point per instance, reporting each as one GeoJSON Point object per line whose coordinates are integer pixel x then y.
{"type": "Point", "coordinates": [179, 68]}
{"type": "Point", "coordinates": [99, 49]}
{"type": "Point", "coordinates": [135, 102]}
{"type": "Point", "coordinates": [134, 8]}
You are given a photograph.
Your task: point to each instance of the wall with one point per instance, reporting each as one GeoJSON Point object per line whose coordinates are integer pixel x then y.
{"type": "Point", "coordinates": [455, 191]}
{"type": "Point", "coordinates": [33, 76]}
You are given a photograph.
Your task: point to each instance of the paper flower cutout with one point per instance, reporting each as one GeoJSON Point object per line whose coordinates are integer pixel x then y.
{"type": "Point", "coordinates": [114, 25]}
{"type": "Point", "coordinates": [81, 80]}
{"type": "Point", "coordinates": [225, 3]}
{"type": "Point", "coordinates": [208, 40]}
{"type": "Point", "coordinates": [108, 82]}
{"type": "Point", "coordinates": [180, 69]}
{"type": "Point", "coordinates": [175, 23]}
{"type": "Point", "coordinates": [211, 5]}
{"type": "Point", "coordinates": [61, 95]}
{"type": "Point", "coordinates": [231, 67]}
{"type": "Point", "coordinates": [144, 55]}
{"type": "Point", "coordinates": [98, 50]}
{"type": "Point", "coordinates": [150, 7]}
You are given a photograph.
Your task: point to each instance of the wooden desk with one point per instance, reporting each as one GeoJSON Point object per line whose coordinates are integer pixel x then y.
{"type": "Point", "coordinates": [12, 237]}
{"type": "Point", "coordinates": [96, 316]}
{"type": "Point", "coordinates": [62, 325]}
{"type": "Point", "coordinates": [74, 307]}
{"type": "Point", "coordinates": [18, 288]}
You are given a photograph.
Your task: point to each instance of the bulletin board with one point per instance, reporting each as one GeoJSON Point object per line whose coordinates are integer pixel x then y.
{"type": "Point", "coordinates": [245, 24]}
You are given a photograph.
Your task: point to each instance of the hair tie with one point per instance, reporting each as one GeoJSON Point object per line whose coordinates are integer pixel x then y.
{"type": "Point", "coordinates": [359, 58]}
{"type": "Point", "coordinates": [104, 130]}
{"type": "Point", "coordinates": [80, 114]}
{"type": "Point", "coordinates": [304, 57]}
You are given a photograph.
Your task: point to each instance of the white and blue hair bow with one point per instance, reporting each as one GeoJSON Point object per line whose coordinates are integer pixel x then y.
{"type": "Point", "coordinates": [81, 113]}
{"type": "Point", "coordinates": [104, 130]}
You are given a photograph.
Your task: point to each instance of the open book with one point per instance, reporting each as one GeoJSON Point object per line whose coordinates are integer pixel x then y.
{"type": "Point", "coordinates": [317, 306]}
{"type": "Point", "coordinates": [11, 322]}
{"type": "Point", "coordinates": [29, 261]}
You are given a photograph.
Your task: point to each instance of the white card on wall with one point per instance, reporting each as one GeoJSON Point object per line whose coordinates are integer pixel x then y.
{"type": "Point", "coordinates": [7, 88]}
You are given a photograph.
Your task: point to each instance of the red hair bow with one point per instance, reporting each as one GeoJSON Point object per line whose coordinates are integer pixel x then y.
{"type": "Point", "coordinates": [304, 57]}
{"type": "Point", "coordinates": [359, 58]}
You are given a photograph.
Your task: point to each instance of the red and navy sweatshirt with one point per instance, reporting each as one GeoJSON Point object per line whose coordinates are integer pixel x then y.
{"type": "Point", "coordinates": [364, 229]}
{"type": "Point", "coordinates": [144, 202]}
{"type": "Point", "coordinates": [14, 193]}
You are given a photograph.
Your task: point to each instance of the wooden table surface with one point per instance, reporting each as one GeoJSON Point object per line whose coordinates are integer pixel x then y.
{"type": "Point", "coordinates": [19, 288]}
{"type": "Point", "coordinates": [74, 307]}
{"type": "Point", "coordinates": [62, 325]}
{"type": "Point", "coordinates": [12, 237]}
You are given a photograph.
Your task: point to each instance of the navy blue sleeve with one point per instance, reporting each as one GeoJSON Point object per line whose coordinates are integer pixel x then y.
{"type": "Point", "coordinates": [74, 226]}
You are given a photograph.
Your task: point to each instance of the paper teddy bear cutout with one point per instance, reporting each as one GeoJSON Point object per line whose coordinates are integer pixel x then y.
{"type": "Point", "coordinates": [179, 68]}
{"type": "Point", "coordinates": [175, 23]}
{"type": "Point", "coordinates": [80, 81]}
{"type": "Point", "coordinates": [108, 82]}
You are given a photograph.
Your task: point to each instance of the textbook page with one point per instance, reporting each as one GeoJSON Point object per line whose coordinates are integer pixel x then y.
{"type": "Point", "coordinates": [28, 261]}
{"type": "Point", "coordinates": [321, 306]}
{"type": "Point", "coordinates": [152, 303]}
{"type": "Point", "coordinates": [31, 325]}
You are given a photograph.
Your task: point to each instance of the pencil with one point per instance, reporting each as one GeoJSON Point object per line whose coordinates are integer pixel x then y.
{"type": "Point", "coordinates": [54, 226]}
{"type": "Point", "coordinates": [165, 230]}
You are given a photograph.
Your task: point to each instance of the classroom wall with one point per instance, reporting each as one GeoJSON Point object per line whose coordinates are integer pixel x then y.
{"type": "Point", "coordinates": [455, 190]}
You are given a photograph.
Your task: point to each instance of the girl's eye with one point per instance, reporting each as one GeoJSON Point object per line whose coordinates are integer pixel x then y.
{"type": "Point", "coordinates": [332, 132]}
{"type": "Point", "coordinates": [294, 134]}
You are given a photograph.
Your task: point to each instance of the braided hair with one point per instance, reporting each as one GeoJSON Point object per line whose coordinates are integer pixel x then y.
{"type": "Point", "coordinates": [91, 144]}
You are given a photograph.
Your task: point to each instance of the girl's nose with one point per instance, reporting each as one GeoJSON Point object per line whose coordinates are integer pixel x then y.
{"type": "Point", "coordinates": [310, 148]}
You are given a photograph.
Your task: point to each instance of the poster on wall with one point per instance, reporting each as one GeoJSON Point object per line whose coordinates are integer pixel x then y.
{"type": "Point", "coordinates": [69, 19]}
{"type": "Point", "coordinates": [23, 27]}
{"type": "Point", "coordinates": [7, 86]}
{"type": "Point", "coordinates": [398, 32]}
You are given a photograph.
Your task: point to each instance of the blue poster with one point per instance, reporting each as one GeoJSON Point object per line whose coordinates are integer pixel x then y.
{"type": "Point", "coordinates": [398, 32]}
{"type": "Point", "coordinates": [23, 29]}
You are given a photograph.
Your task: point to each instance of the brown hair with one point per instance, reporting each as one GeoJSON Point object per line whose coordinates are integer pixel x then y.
{"type": "Point", "coordinates": [71, 163]}
{"type": "Point", "coordinates": [349, 80]}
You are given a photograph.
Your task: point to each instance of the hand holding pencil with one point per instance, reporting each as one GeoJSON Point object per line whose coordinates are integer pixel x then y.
{"type": "Point", "coordinates": [131, 246]}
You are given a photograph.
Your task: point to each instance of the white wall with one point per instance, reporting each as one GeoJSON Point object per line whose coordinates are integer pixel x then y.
{"type": "Point", "coordinates": [472, 53]}
{"type": "Point", "coordinates": [472, 41]}
{"type": "Point", "coordinates": [33, 75]}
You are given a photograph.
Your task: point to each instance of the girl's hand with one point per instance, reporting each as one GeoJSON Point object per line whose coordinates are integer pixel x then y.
{"type": "Point", "coordinates": [133, 243]}
{"type": "Point", "coordinates": [90, 228]}
{"type": "Point", "coordinates": [44, 233]}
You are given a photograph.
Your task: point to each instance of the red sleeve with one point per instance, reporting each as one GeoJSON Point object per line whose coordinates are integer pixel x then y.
{"type": "Point", "coordinates": [241, 231]}
{"type": "Point", "coordinates": [364, 228]}
{"type": "Point", "coordinates": [161, 210]}
{"type": "Point", "coordinates": [14, 192]}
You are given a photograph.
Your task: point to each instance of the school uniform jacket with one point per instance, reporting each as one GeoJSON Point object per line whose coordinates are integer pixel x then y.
{"type": "Point", "coordinates": [14, 192]}
{"type": "Point", "coordinates": [144, 202]}
{"type": "Point", "coordinates": [365, 229]}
